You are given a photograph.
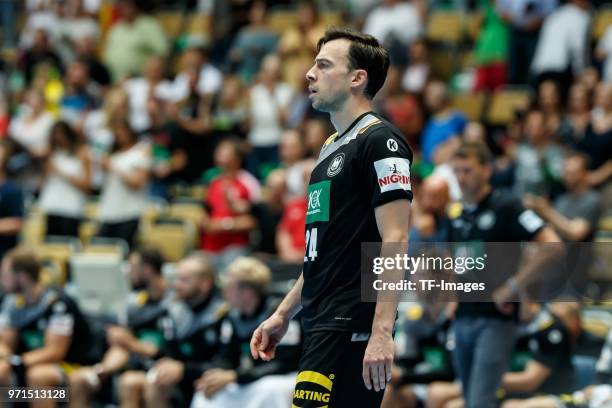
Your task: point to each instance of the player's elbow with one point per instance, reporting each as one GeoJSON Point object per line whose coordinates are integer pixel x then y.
{"type": "Point", "coordinates": [395, 235]}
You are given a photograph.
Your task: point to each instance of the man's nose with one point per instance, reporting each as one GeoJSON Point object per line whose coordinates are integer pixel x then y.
{"type": "Point", "coordinates": [310, 75]}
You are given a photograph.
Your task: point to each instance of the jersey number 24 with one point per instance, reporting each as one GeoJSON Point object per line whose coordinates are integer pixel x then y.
{"type": "Point", "coordinates": [311, 245]}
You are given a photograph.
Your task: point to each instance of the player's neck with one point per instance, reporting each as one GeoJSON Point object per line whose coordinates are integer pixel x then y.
{"type": "Point", "coordinates": [352, 109]}
{"type": "Point", "coordinates": [479, 196]}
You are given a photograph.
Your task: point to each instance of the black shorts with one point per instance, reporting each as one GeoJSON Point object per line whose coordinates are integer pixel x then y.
{"type": "Point", "coordinates": [330, 372]}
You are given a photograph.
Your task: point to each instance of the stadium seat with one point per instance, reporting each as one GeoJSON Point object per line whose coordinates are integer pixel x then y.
{"type": "Point", "coordinates": [443, 61]}
{"type": "Point", "coordinates": [472, 26]}
{"type": "Point", "coordinates": [101, 287]}
{"type": "Point", "coordinates": [504, 103]}
{"type": "Point", "coordinates": [34, 229]}
{"type": "Point", "coordinates": [171, 22]}
{"type": "Point", "coordinates": [91, 210]}
{"type": "Point", "coordinates": [172, 237]}
{"type": "Point", "coordinates": [59, 249]}
{"type": "Point", "coordinates": [200, 24]}
{"type": "Point", "coordinates": [282, 20]}
{"type": "Point", "coordinates": [87, 230]}
{"type": "Point", "coordinates": [51, 273]}
{"type": "Point", "coordinates": [603, 19]}
{"type": "Point", "coordinates": [107, 246]}
{"type": "Point", "coordinates": [189, 211]}
{"type": "Point", "coordinates": [331, 18]}
{"type": "Point", "coordinates": [471, 104]}
{"type": "Point", "coordinates": [446, 27]}
{"type": "Point", "coordinates": [605, 224]}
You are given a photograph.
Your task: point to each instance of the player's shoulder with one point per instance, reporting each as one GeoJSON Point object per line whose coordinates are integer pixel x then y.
{"type": "Point", "coordinates": [505, 200]}
{"type": "Point", "coordinates": [379, 131]}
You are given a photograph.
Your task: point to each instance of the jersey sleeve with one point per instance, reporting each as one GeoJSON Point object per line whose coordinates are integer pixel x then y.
{"type": "Point", "coordinates": [386, 159]}
{"type": "Point", "coordinates": [61, 318]}
{"type": "Point", "coordinates": [525, 224]}
{"type": "Point", "coordinates": [552, 347]}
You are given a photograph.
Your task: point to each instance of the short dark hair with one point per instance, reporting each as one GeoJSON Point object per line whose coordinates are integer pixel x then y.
{"type": "Point", "coordinates": [26, 261]}
{"type": "Point", "coordinates": [574, 154]}
{"type": "Point", "coordinates": [237, 145]}
{"type": "Point", "coordinates": [480, 151]}
{"type": "Point", "coordinates": [71, 135]}
{"type": "Point", "coordinates": [151, 257]}
{"type": "Point", "coordinates": [365, 52]}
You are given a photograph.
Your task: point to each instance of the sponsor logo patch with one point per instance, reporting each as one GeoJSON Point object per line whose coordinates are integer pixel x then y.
{"type": "Point", "coordinates": [318, 202]}
{"type": "Point", "coordinates": [313, 387]}
{"type": "Point", "coordinates": [393, 173]}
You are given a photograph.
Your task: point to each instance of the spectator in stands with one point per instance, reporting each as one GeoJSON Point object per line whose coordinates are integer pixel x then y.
{"type": "Point", "coordinates": [597, 141]}
{"type": "Point", "coordinates": [85, 50]}
{"type": "Point", "coordinates": [297, 45]}
{"type": "Point", "coordinates": [75, 22]}
{"type": "Point", "coordinates": [31, 128]}
{"type": "Point", "coordinates": [252, 43]}
{"type": "Point", "coordinates": [574, 214]}
{"type": "Point", "coordinates": [97, 123]}
{"type": "Point", "coordinates": [81, 95]}
{"type": "Point", "coordinates": [198, 316]}
{"type": "Point", "coordinates": [191, 118]}
{"type": "Point", "coordinates": [269, 211]}
{"type": "Point", "coordinates": [230, 109]}
{"type": "Point", "coordinates": [442, 130]}
{"type": "Point", "coordinates": [598, 395]}
{"type": "Point", "coordinates": [169, 158]}
{"type": "Point", "coordinates": [423, 354]}
{"type": "Point", "coordinates": [210, 79]}
{"type": "Point", "coordinates": [562, 46]}
{"type": "Point", "coordinates": [148, 330]}
{"type": "Point", "coordinates": [603, 53]}
{"type": "Point", "coordinates": [11, 205]}
{"type": "Point", "coordinates": [290, 236]}
{"type": "Point", "coordinates": [525, 18]}
{"type": "Point", "coordinates": [46, 334]}
{"type": "Point", "coordinates": [395, 24]}
{"type": "Point", "coordinates": [269, 109]}
{"type": "Point", "coordinates": [259, 383]}
{"type": "Point", "coordinates": [291, 150]}
{"type": "Point", "coordinates": [416, 74]}
{"type": "Point", "coordinates": [402, 108]}
{"type": "Point", "coordinates": [124, 195]}
{"type": "Point", "coordinates": [551, 335]}
{"type": "Point", "coordinates": [549, 102]}
{"type": "Point", "coordinates": [430, 222]}
{"type": "Point", "coordinates": [491, 49]}
{"type": "Point", "coordinates": [316, 131]}
{"type": "Point", "coordinates": [5, 117]}
{"type": "Point", "coordinates": [230, 196]}
{"type": "Point", "coordinates": [64, 192]}
{"type": "Point", "coordinates": [132, 40]}
{"type": "Point", "coordinates": [539, 161]}
{"type": "Point", "coordinates": [577, 117]}
{"type": "Point", "coordinates": [140, 89]}
{"type": "Point", "coordinates": [40, 54]}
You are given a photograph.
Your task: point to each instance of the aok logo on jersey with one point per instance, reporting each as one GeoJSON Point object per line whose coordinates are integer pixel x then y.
{"type": "Point", "coordinates": [312, 387]}
{"type": "Point", "coordinates": [393, 173]}
{"type": "Point", "coordinates": [318, 202]}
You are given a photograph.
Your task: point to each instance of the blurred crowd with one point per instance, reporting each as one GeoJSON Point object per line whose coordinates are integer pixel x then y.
{"type": "Point", "coordinates": [100, 104]}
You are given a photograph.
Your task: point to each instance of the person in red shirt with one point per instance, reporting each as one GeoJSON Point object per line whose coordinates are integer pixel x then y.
{"type": "Point", "coordinates": [290, 237]}
{"type": "Point", "coordinates": [226, 226]}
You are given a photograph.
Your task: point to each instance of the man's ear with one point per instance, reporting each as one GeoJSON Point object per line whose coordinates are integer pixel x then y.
{"type": "Point", "coordinates": [360, 78]}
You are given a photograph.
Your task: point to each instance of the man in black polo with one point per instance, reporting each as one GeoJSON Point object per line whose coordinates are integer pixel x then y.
{"type": "Point", "coordinates": [359, 191]}
{"type": "Point", "coordinates": [485, 331]}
